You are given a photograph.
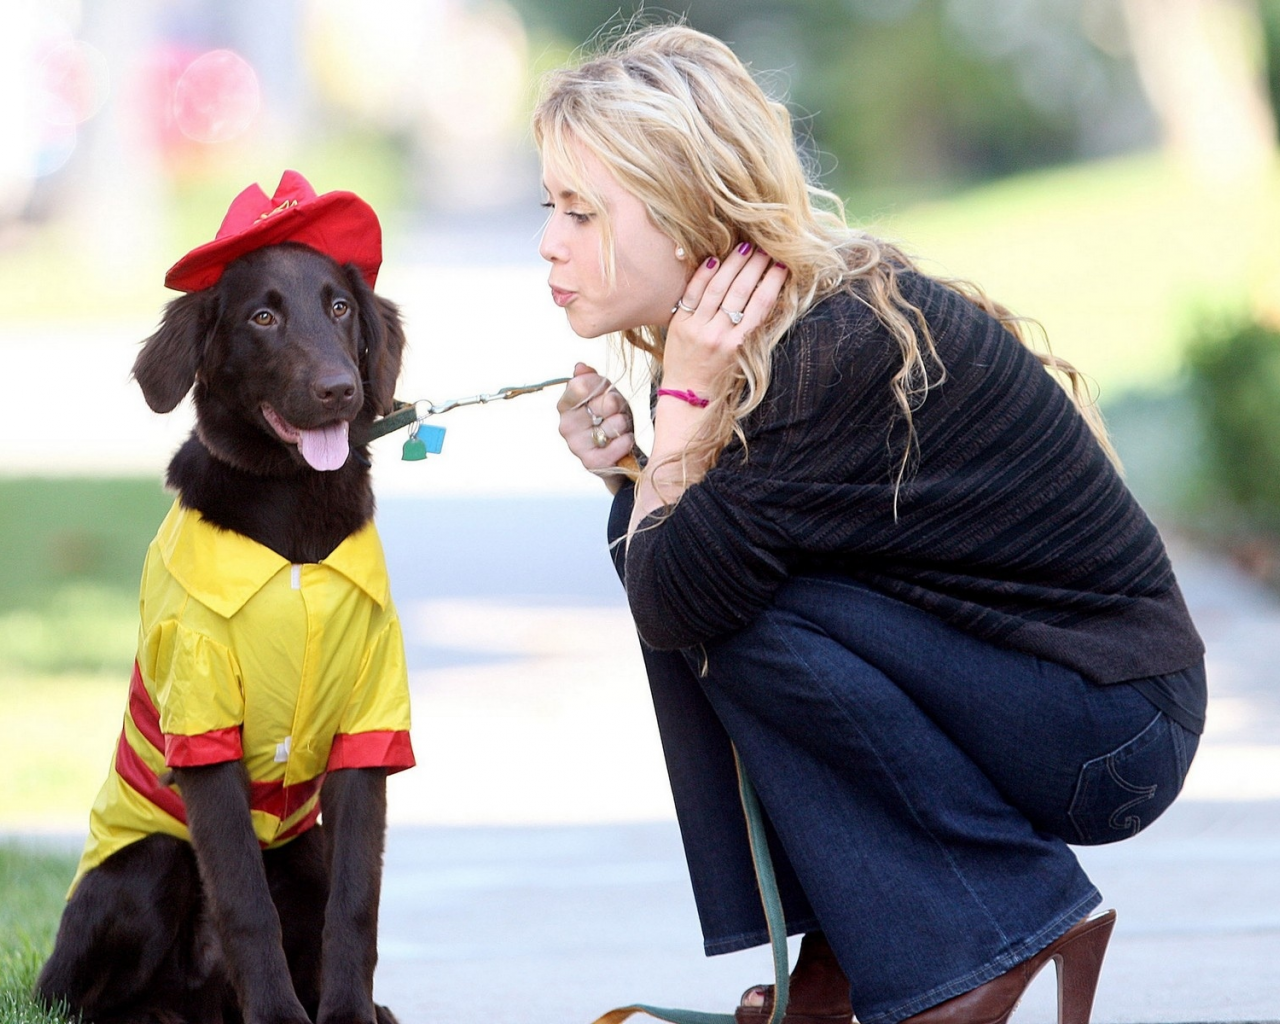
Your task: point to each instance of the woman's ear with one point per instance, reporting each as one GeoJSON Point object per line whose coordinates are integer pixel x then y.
{"type": "Point", "coordinates": [382, 343]}
{"type": "Point", "coordinates": [166, 367]}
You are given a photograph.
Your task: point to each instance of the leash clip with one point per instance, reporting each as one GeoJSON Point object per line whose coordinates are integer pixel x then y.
{"type": "Point", "coordinates": [424, 439]}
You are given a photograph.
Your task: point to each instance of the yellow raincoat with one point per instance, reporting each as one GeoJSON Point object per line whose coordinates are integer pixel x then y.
{"type": "Point", "coordinates": [294, 669]}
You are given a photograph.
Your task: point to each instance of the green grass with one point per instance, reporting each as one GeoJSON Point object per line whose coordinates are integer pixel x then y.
{"type": "Point", "coordinates": [56, 533]}
{"type": "Point", "coordinates": [33, 887]}
{"type": "Point", "coordinates": [73, 549]}
{"type": "Point", "coordinates": [1117, 259]}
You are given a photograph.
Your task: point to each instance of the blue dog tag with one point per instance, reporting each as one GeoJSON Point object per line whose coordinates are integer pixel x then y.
{"type": "Point", "coordinates": [432, 437]}
{"type": "Point", "coordinates": [424, 439]}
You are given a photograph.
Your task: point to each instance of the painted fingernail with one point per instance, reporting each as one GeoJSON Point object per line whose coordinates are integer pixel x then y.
{"type": "Point", "coordinates": [781, 266]}
{"type": "Point", "coordinates": [712, 263]}
{"type": "Point", "coordinates": [744, 248]}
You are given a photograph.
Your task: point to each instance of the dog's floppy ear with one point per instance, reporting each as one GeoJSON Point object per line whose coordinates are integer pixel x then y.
{"type": "Point", "coordinates": [382, 341]}
{"type": "Point", "coordinates": [166, 367]}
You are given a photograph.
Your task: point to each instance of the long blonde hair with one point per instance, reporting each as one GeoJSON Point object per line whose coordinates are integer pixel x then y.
{"type": "Point", "coordinates": [681, 124]}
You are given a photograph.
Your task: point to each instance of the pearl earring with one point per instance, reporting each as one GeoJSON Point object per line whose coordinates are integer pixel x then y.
{"type": "Point", "coordinates": [679, 252]}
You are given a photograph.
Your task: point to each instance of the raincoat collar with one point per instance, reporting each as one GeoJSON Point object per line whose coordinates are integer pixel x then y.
{"type": "Point", "coordinates": [223, 569]}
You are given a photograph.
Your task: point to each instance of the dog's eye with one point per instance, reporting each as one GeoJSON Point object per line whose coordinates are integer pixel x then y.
{"type": "Point", "coordinates": [264, 318]}
{"type": "Point", "coordinates": [340, 307]}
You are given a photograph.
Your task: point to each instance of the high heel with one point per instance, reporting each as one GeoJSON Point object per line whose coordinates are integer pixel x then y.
{"type": "Point", "coordinates": [1078, 955]}
{"type": "Point", "coordinates": [819, 990]}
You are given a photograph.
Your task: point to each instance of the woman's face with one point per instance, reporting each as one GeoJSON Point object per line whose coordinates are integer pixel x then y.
{"type": "Point", "coordinates": [649, 278]}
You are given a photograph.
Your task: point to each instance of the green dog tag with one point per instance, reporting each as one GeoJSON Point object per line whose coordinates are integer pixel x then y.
{"type": "Point", "coordinates": [414, 450]}
{"type": "Point", "coordinates": [423, 438]}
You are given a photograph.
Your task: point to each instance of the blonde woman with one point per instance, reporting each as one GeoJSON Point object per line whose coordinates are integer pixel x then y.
{"type": "Point", "coordinates": [876, 548]}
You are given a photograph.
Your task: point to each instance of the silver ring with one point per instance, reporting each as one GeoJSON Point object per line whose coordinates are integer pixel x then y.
{"type": "Point", "coordinates": [595, 420]}
{"type": "Point", "coordinates": [599, 438]}
{"type": "Point", "coordinates": [681, 305]}
{"type": "Point", "coordinates": [734, 318]}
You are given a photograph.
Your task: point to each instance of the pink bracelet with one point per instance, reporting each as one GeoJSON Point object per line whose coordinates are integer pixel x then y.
{"type": "Point", "coordinates": [692, 397]}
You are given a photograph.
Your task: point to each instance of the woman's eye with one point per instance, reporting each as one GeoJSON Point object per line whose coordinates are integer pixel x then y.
{"type": "Point", "coordinates": [577, 218]}
{"type": "Point", "coordinates": [264, 318]}
{"type": "Point", "coordinates": [340, 307]}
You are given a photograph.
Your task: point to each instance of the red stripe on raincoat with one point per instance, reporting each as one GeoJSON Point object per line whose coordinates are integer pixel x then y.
{"type": "Point", "coordinates": [387, 749]}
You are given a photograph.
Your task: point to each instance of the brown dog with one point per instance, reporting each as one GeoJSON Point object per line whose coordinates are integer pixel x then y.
{"type": "Point", "coordinates": [204, 918]}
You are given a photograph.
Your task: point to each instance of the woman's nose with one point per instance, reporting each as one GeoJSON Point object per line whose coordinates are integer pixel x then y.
{"type": "Point", "coordinates": [549, 247]}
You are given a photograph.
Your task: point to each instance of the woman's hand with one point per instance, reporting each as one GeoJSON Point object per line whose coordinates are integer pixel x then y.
{"type": "Point", "coordinates": [593, 411]}
{"type": "Point", "coordinates": [722, 303]}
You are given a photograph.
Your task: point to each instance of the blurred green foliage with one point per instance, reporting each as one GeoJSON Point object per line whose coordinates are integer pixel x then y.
{"type": "Point", "coordinates": [916, 97]}
{"type": "Point", "coordinates": [1270, 11]}
{"type": "Point", "coordinates": [1235, 378]}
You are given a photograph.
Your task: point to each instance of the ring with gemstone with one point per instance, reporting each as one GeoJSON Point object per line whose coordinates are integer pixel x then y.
{"type": "Point", "coordinates": [598, 437]}
{"type": "Point", "coordinates": [734, 318]}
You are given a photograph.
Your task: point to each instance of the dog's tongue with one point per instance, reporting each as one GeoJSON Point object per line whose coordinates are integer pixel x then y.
{"type": "Point", "coordinates": [325, 447]}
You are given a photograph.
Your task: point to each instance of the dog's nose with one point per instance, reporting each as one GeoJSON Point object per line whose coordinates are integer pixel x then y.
{"type": "Point", "coordinates": [335, 389]}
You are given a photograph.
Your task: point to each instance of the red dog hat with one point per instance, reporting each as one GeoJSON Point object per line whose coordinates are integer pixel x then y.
{"type": "Point", "coordinates": [339, 224]}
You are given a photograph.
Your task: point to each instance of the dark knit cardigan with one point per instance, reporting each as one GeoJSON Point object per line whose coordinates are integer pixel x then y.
{"type": "Point", "coordinates": [1011, 523]}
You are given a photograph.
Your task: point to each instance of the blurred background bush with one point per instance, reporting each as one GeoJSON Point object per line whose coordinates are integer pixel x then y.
{"type": "Point", "coordinates": [1235, 376]}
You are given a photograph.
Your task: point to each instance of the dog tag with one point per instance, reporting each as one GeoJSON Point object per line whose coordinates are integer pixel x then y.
{"type": "Point", "coordinates": [432, 437]}
{"type": "Point", "coordinates": [414, 450]}
{"type": "Point", "coordinates": [424, 439]}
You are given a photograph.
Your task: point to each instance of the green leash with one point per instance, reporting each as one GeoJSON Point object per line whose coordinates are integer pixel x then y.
{"type": "Point", "coordinates": [773, 916]}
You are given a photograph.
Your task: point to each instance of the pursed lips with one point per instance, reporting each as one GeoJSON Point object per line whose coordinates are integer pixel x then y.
{"type": "Point", "coordinates": [561, 297]}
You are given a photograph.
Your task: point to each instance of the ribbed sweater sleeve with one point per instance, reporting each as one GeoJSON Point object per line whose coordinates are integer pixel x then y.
{"type": "Point", "coordinates": [1010, 522]}
{"type": "Point", "coordinates": [709, 564]}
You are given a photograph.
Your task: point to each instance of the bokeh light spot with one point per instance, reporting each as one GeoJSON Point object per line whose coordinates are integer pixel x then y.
{"type": "Point", "coordinates": [75, 82]}
{"type": "Point", "coordinates": [217, 97]}
{"type": "Point", "coordinates": [57, 143]}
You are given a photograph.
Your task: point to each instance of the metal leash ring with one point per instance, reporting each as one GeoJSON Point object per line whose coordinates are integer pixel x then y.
{"type": "Point", "coordinates": [414, 414]}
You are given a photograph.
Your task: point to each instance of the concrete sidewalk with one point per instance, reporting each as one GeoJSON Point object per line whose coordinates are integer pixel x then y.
{"type": "Point", "coordinates": [532, 710]}
{"type": "Point", "coordinates": [551, 925]}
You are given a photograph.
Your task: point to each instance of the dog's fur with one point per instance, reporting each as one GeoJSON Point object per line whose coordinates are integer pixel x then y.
{"type": "Point", "coordinates": [216, 930]}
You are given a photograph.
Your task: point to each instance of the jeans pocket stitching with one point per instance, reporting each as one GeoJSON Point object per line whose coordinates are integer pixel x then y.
{"type": "Point", "coordinates": [1117, 819]}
